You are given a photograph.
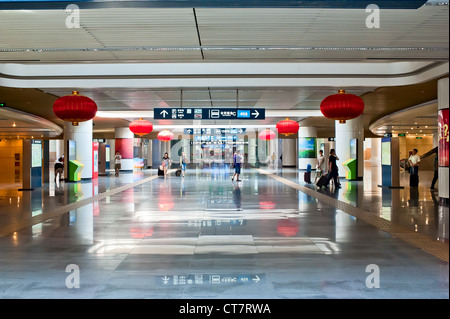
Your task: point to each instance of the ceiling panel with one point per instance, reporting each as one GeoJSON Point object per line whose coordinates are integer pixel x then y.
{"type": "Point", "coordinates": [126, 31]}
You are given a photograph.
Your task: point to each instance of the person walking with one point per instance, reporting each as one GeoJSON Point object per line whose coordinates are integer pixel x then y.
{"type": "Point", "coordinates": [59, 168]}
{"type": "Point", "coordinates": [117, 162]}
{"type": "Point", "coordinates": [414, 161]}
{"type": "Point", "coordinates": [166, 162]}
{"type": "Point", "coordinates": [183, 162]}
{"type": "Point", "coordinates": [237, 165]}
{"type": "Point", "coordinates": [319, 166]}
{"type": "Point", "coordinates": [436, 171]}
{"type": "Point", "coordinates": [333, 170]}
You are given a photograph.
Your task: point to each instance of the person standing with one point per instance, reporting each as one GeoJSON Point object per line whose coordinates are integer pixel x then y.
{"type": "Point", "coordinates": [117, 162]}
{"type": "Point", "coordinates": [319, 166]}
{"type": "Point", "coordinates": [237, 165]}
{"type": "Point", "coordinates": [333, 170]}
{"type": "Point", "coordinates": [183, 162]}
{"type": "Point", "coordinates": [273, 160]}
{"type": "Point", "coordinates": [166, 162]}
{"type": "Point", "coordinates": [436, 171]}
{"type": "Point", "coordinates": [414, 161]}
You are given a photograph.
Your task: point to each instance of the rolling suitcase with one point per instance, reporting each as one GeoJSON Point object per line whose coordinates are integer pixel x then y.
{"type": "Point", "coordinates": [307, 177]}
{"type": "Point", "coordinates": [160, 171]}
{"type": "Point", "coordinates": [322, 181]}
{"type": "Point", "coordinates": [178, 172]}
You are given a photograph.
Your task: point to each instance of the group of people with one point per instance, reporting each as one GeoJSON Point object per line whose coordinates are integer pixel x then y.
{"type": "Point", "coordinates": [333, 170]}
{"type": "Point", "coordinates": [238, 159]}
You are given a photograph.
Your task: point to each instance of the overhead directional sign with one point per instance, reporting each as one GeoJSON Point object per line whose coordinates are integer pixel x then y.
{"type": "Point", "coordinates": [214, 131]}
{"type": "Point", "coordinates": [209, 114]}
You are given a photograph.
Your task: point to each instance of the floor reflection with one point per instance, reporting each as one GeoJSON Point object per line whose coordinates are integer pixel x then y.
{"type": "Point", "coordinates": [206, 236]}
{"type": "Point", "coordinates": [416, 208]}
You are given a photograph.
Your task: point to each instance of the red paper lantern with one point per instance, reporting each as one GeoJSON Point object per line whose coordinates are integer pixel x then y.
{"type": "Point", "coordinates": [141, 127]}
{"type": "Point", "coordinates": [267, 135]}
{"type": "Point", "coordinates": [75, 108]}
{"type": "Point", "coordinates": [342, 106]}
{"type": "Point", "coordinates": [165, 136]}
{"type": "Point", "coordinates": [287, 127]}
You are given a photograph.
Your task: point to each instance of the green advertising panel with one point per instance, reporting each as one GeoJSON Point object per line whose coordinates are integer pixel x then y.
{"type": "Point", "coordinates": [307, 147]}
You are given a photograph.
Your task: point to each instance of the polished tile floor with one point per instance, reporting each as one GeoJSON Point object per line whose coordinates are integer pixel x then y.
{"type": "Point", "coordinates": [204, 236]}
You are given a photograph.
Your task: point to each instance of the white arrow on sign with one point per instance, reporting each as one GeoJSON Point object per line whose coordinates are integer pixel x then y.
{"type": "Point", "coordinates": [165, 279]}
{"type": "Point", "coordinates": [256, 113]}
{"type": "Point", "coordinates": [164, 113]}
{"type": "Point", "coordinates": [256, 279]}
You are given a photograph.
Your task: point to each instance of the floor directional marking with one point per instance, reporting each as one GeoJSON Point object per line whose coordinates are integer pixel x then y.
{"type": "Point", "coordinates": [427, 244]}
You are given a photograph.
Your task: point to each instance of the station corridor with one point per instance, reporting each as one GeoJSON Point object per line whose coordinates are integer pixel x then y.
{"type": "Point", "coordinates": [270, 236]}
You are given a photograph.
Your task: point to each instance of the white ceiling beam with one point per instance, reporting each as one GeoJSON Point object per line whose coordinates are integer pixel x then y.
{"type": "Point", "coordinates": [246, 75]}
{"type": "Point", "coordinates": [210, 69]}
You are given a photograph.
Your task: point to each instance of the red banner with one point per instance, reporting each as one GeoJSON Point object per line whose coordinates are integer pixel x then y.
{"type": "Point", "coordinates": [125, 147]}
{"type": "Point", "coordinates": [443, 137]}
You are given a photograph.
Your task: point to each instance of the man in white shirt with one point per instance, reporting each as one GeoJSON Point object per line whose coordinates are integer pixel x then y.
{"type": "Point", "coordinates": [237, 165]}
{"type": "Point", "coordinates": [414, 161]}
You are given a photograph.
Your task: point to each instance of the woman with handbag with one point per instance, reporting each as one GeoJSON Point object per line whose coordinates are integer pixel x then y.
{"type": "Point", "coordinates": [166, 162]}
{"type": "Point", "coordinates": [319, 166]}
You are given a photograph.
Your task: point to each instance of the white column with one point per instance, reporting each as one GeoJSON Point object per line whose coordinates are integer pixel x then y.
{"type": "Point", "coordinates": [344, 133]}
{"type": "Point", "coordinates": [303, 162]}
{"type": "Point", "coordinates": [443, 103]}
{"type": "Point", "coordinates": [82, 134]}
{"type": "Point", "coordinates": [289, 151]}
{"type": "Point", "coordinates": [149, 154]}
{"type": "Point", "coordinates": [124, 144]}
{"type": "Point", "coordinates": [252, 151]}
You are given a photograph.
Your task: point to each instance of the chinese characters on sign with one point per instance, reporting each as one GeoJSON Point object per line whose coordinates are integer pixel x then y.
{"type": "Point", "coordinates": [443, 137]}
{"type": "Point", "coordinates": [208, 114]}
